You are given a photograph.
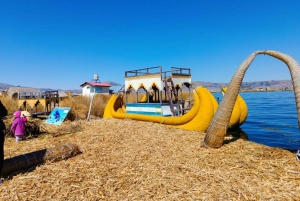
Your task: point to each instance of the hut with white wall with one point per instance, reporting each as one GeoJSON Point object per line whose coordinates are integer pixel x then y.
{"type": "Point", "coordinates": [91, 88]}
{"type": "Point", "coordinates": [95, 87]}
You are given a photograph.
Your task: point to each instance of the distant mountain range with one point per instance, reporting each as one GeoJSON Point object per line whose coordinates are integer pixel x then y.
{"type": "Point", "coordinates": [272, 84]}
{"type": "Point", "coordinates": [113, 83]}
{"type": "Point", "coordinates": [264, 85]}
{"type": "Point", "coordinates": [4, 86]}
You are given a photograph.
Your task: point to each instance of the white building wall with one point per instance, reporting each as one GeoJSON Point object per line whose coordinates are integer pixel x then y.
{"type": "Point", "coordinates": [179, 80]}
{"type": "Point", "coordinates": [89, 90]}
{"type": "Point", "coordinates": [86, 90]}
{"type": "Point", "coordinates": [154, 79]}
{"type": "Point", "coordinates": [147, 81]}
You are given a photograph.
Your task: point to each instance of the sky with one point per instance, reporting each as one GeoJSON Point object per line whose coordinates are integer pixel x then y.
{"type": "Point", "coordinates": [62, 44]}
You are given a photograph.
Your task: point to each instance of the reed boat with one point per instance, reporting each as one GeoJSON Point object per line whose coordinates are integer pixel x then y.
{"type": "Point", "coordinates": [163, 100]}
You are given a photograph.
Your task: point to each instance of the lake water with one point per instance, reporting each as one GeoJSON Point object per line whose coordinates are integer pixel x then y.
{"type": "Point", "coordinates": [272, 119]}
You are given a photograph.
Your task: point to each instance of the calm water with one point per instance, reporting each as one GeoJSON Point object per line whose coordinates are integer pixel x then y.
{"type": "Point", "coordinates": [272, 119]}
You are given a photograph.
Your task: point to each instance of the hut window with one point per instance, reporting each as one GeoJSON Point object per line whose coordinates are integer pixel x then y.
{"type": "Point", "coordinates": [98, 89]}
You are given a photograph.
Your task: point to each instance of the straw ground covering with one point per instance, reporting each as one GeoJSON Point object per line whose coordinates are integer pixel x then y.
{"type": "Point", "coordinates": [131, 160]}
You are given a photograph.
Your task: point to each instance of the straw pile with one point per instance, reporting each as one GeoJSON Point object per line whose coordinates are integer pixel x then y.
{"type": "Point", "coordinates": [32, 127]}
{"type": "Point", "coordinates": [66, 128]}
{"type": "Point", "coordinates": [35, 127]}
{"type": "Point", "coordinates": [130, 160]}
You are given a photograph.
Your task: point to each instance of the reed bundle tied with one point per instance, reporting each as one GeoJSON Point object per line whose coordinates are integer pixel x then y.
{"type": "Point", "coordinates": [30, 160]}
{"type": "Point", "coordinates": [131, 160]}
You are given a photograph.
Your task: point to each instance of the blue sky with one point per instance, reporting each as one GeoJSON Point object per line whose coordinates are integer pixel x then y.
{"type": "Point", "coordinates": [62, 44]}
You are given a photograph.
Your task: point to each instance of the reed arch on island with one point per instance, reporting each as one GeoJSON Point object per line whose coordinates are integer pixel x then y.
{"type": "Point", "coordinates": [217, 129]}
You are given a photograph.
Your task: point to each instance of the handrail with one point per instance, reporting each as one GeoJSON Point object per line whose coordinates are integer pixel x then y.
{"type": "Point", "coordinates": [180, 71]}
{"type": "Point", "coordinates": [147, 71]}
{"type": "Point", "coordinates": [142, 71]}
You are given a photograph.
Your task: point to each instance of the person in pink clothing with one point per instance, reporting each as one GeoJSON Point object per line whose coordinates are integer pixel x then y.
{"type": "Point", "coordinates": [18, 126]}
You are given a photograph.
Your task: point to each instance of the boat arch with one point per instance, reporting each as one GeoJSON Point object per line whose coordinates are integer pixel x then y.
{"type": "Point", "coordinates": [217, 129]}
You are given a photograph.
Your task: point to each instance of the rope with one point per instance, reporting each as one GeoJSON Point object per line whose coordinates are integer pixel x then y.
{"type": "Point", "coordinates": [223, 109]}
{"type": "Point", "coordinates": [163, 120]}
{"type": "Point", "coordinates": [35, 158]}
{"type": "Point", "coordinates": [203, 144]}
{"type": "Point", "coordinates": [298, 155]}
{"type": "Point", "coordinates": [219, 123]}
{"type": "Point", "coordinates": [216, 137]}
{"type": "Point", "coordinates": [67, 155]}
{"type": "Point", "coordinates": [225, 125]}
{"type": "Point", "coordinates": [28, 161]}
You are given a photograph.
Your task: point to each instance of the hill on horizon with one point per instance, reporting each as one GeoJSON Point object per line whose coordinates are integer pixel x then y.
{"type": "Point", "coordinates": [272, 84]}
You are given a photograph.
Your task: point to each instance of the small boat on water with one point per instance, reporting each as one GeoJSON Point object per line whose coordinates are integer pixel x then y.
{"type": "Point", "coordinates": [165, 101]}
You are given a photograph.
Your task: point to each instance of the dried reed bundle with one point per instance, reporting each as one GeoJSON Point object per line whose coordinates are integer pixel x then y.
{"type": "Point", "coordinates": [61, 152]}
{"type": "Point", "coordinates": [130, 160]}
{"type": "Point", "coordinates": [29, 160]}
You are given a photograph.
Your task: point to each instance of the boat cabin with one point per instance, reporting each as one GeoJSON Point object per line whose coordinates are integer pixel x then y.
{"type": "Point", "coordinates": [162, 91]}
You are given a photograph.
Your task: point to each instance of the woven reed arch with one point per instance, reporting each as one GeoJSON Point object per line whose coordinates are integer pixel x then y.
{"type": "Point", "coordinates": [217, 129]}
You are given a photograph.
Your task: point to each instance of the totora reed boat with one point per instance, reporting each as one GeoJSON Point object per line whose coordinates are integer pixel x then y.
{"type": "Point", "coordinates": [163, 101]}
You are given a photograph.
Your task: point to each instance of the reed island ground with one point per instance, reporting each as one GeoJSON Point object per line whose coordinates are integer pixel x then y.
{"type": "Point", "coordinates": [131, 160]}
